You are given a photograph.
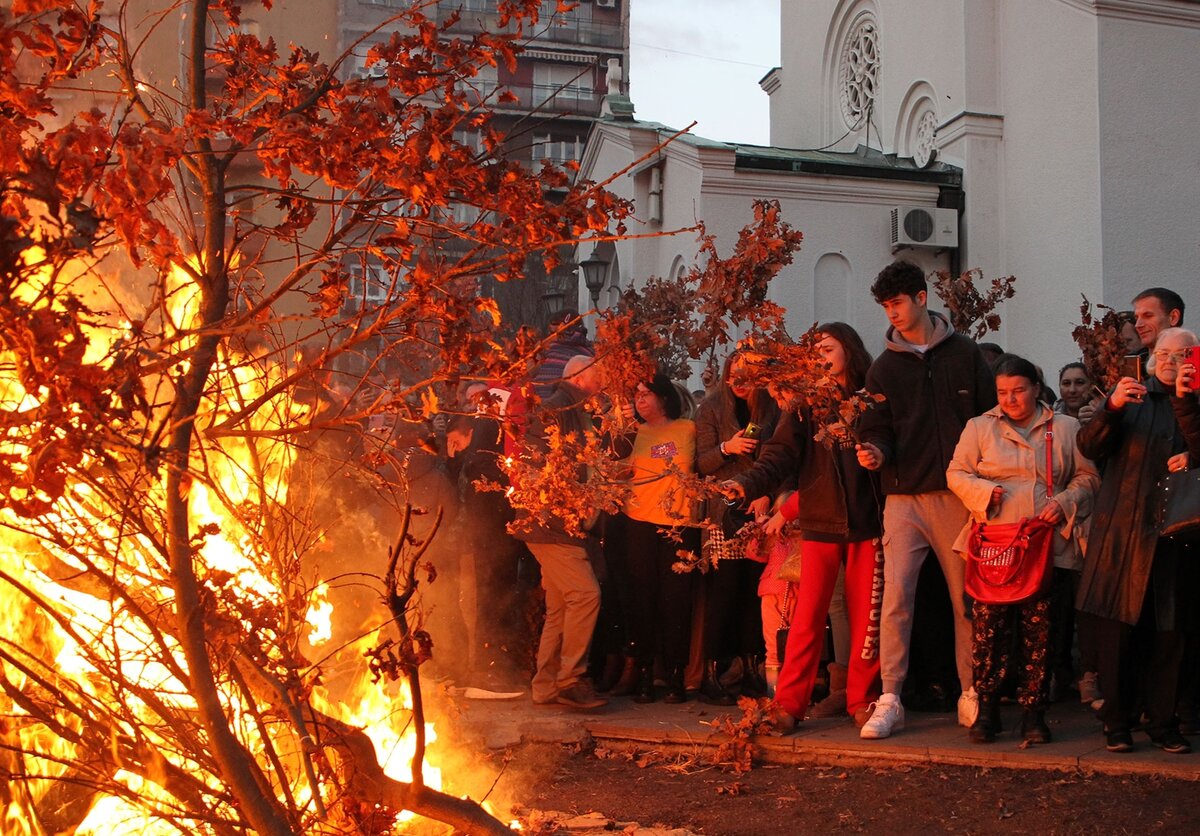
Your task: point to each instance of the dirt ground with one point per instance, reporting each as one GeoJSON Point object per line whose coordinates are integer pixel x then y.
{"type": "Point", "coordinates": [677, 792]}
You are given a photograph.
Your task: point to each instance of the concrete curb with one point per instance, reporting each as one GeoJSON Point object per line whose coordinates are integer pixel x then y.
{"type": "Point", "coordinates": [1078, 745]}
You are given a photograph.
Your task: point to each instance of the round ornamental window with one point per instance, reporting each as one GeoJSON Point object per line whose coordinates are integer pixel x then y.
{"type": "Point", "coordinates": [859, 72]}
{"type": "Point", "coordinates": [925, 143]}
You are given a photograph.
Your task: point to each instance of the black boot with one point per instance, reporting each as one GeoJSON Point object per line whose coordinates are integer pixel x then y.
{"type": "Point", "coordinates": [1033, 726]}
{"type": "Point", "coordinates": [644, 690]}
{"type": "Point", "coordinates": [676, 692]}
{"type": "Point", "coordinates": [711, 689]}
{"type": "Point", "coordinates": [987, 724]}
{"type": "Point", "coordinates": [754, 684]}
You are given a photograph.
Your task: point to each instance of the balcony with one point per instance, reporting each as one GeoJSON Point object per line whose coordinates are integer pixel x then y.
{"type": "Point", "coordinates": [563, 28]}
{"type": "Point", "coordinates": [552, 98]}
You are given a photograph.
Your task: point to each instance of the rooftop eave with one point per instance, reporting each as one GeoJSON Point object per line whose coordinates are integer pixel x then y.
{"type": "Point", "coordinates": [873, 166]}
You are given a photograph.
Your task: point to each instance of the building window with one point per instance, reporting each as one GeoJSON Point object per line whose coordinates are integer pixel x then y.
{"type": "Point", "coordinates": [925, 142]}
{"type": "Point", "coordinates": [558, 150]}
{"type": "Point", "coordinates": [859, 71]}
{"type": "Point", "coordinates": [472, 140]}
{"type": "Point", "coordinates": [369, 284]}
{"type": "Point", "coordinates": [563, 86]}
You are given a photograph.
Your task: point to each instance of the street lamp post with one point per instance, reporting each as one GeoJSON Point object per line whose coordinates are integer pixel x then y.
{"type": "Point", "coordinates": [595, 271]}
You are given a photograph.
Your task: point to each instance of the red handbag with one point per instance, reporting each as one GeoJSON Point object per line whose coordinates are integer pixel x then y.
{"type": "Point", "coordinates": [1008, 563]}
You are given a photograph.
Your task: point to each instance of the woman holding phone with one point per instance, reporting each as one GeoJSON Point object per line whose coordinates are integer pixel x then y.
{"type": "Point", "coordinates": [1131, 576]}
{"type": "Point", "coordinates": [730, 426]}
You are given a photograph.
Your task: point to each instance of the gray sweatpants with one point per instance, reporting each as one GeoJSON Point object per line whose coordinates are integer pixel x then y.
{"type": "Point", "coordinates": [912, 524]}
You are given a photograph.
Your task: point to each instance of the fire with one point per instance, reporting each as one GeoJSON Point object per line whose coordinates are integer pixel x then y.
{"type": "Point", "coordinates": [86, 599]}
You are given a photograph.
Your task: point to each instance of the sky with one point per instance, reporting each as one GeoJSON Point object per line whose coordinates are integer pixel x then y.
{"type": "Point", "coordinates": [701, 60]}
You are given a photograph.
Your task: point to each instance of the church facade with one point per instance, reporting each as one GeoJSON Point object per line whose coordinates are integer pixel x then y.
{"type": "Point", "coordinates": [1054, 140]}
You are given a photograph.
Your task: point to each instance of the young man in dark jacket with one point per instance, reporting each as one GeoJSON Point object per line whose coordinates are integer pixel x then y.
{"type": "Point", "coordinates": [933, 380]}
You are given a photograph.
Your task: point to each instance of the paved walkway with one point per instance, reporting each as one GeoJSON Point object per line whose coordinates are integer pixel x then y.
{"type": "Point", "coordinates": [926, 738]}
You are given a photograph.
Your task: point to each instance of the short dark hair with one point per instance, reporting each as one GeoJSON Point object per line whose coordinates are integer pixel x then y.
{"type": "Point", "coordinates": [1169, 299]}
{"type": "Point", "coordinates": [897, 279]}
{"type": "Point", "coordinates": [1075, 365]}
{"type": "Point", "coordinates": [462, 424]}
{"type": "Point", "coordinates": [858, 359]}
{"type": "Point", "coordinates": [1010, 365]}
{"type": "Point", "coordinates": [662, 386]}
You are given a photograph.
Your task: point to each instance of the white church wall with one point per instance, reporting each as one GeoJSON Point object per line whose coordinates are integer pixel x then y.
{"type": "Point", "coordinates": [1149, 133]}
{"type": "Point", "coordinates": [1049, 232]}
{"type": "Point", "coordinates": [846, 228]}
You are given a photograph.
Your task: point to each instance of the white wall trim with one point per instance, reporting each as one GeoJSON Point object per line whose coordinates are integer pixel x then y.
{"type": "Point", "coordinates": [967, 123]}
{"type": "Point", "coordinates": [1164, 12]}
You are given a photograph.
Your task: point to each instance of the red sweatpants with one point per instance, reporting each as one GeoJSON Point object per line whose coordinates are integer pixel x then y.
{"type": "Point", "coordinates": [864, 597]}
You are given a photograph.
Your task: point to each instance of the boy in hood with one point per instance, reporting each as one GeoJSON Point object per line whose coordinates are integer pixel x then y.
{"type": "Point", "coordinates": [934, 381]}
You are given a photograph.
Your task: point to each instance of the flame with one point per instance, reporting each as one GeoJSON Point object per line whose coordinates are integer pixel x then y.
{"type": "Point", "coordinates": [319, 615]}
{"type": "Point", "coordinates": [108, 583]}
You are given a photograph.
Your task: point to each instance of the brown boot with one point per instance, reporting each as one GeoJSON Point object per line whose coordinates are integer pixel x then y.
{"type": "Point", "coordinates": [627, 683]}
{"type": "Point", "coordinates": [834, 705]}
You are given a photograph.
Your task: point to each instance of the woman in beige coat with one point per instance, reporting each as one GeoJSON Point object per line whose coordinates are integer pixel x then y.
{"type": "Point", "coordinates": [999, 473]}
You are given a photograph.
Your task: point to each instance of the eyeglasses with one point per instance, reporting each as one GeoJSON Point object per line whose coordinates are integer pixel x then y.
{"type": "Point", "coordinates": [1177, 356]}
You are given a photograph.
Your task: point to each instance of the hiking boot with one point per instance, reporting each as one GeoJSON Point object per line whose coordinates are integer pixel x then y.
{"type": "Point", "coordinates": [580, 695]}
{"type": "Point", "coordinates": [754, 684]}
{"type": "Point", "coordinates": [711, 689]}
{"type": "Point", "coordinates": [676, 692]}
{"type": "Point", "coordinates": [626, 684]}
{"type": "Point", "coordinates": [1172, 742]}
{"type": "Point", "coordinates": [1033, 726]}
{"type": "Point", "coordinates": [887, 716]}
{"type": "Point", "coordinates": [968, 708]}
{"type": "Point", "coordinates": [987, 720]}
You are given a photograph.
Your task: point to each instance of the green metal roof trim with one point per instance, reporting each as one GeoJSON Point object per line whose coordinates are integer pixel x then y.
{"type": "Point", "coordinates": [862, 162]}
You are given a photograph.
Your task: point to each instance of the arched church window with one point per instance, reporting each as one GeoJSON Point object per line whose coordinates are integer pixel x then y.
{"type": "Point", "coordinates": [859, 71]}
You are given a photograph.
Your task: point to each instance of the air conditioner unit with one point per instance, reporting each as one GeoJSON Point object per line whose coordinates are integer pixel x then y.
{"type": "Point", "coordinates": [919, 226]}
{"type": "Point", "coordinates": [606, 4]}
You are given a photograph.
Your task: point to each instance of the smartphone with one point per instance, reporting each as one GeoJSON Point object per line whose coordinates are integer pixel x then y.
{"type": "Point", "coordinates": [752, 430]}
{"type": "Point", "coordinates": [1193, 357]}
{"type": "Point", "coordinates": [1131, 366]}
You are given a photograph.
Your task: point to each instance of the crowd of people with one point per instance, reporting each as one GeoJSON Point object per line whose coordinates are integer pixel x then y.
{"type": "Point", "coordinates": [815, 549]}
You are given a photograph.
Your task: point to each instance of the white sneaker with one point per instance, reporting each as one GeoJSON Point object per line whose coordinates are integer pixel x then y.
{"type": "Point", "coordinates": [887, 716]}
{"type": "Point", "coordinates": [968, 707]}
